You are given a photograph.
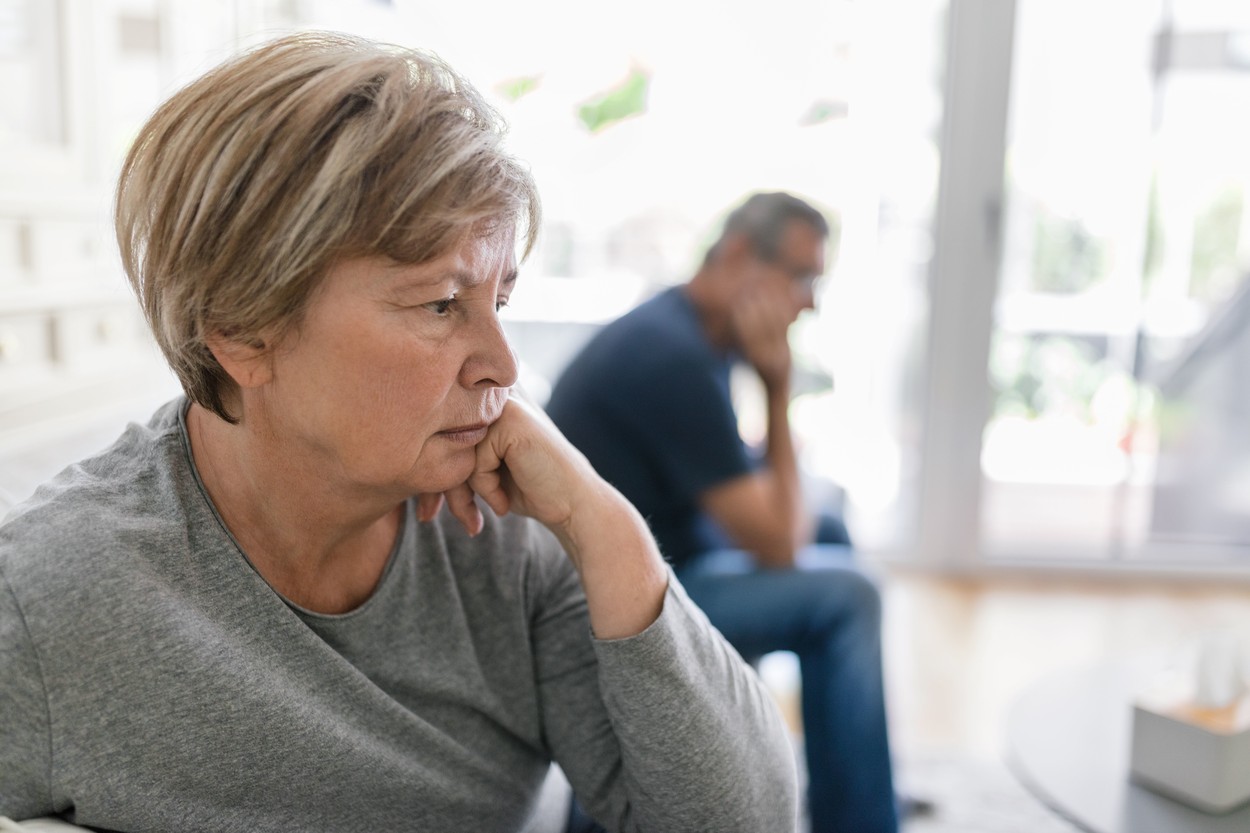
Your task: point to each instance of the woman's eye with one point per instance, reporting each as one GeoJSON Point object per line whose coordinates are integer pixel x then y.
{"type": "Point", "coordinates": [441, 307]}
{"type": "Point", "coordinates": [500, 304]}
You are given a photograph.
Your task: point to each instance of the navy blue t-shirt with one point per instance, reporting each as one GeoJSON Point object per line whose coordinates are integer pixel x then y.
{"type": "Point", "coordinates": [647, 401]}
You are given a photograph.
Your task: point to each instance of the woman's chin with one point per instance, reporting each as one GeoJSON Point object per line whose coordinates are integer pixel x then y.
{"type": "Point", "coordinates": [445, 479]}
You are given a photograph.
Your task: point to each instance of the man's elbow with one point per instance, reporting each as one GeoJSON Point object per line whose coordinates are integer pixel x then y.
{"type": "Point", "coordinates": [777, 551]}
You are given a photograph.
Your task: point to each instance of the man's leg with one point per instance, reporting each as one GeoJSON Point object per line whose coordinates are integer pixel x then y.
{"type": "Point", "coordinates": [829, 614]}
{"type": "Point", "coordinates": [831, 529]}
{"type": "Point", "coordinates": [580, 821]}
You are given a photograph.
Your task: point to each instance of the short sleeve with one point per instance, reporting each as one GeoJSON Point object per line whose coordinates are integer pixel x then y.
{"type": "Point", "coordinates": [25, 745]}
{"type": "Point", "coordinates": [685, 413]}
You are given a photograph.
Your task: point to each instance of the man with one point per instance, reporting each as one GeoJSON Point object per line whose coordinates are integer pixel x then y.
{"type": "Point", "coordinates": [648, 402]}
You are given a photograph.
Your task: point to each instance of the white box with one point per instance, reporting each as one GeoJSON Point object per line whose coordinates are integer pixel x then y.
{"type": "Point", "coordinates": [1195, 755]}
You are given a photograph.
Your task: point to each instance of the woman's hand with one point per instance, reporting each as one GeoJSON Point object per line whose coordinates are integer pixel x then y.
{"type": "Point", "coordinates": [525, 465]}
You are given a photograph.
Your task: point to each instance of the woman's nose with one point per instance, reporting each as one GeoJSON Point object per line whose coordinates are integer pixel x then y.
{"type": "Point", "coordinates": [491, 362]}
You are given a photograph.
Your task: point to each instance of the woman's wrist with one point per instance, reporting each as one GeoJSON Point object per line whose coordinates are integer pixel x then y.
{"type": "Point", "coordinates": [594, 514]}
{"type": "Point", "coordinates": [618, 561]}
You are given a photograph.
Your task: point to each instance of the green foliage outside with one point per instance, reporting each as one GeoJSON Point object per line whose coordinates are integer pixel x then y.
{"type": "Point", "coordinates": [629, 98]}
{"type": "Point", "coordinates": [514, 89]}
{"type": "Point", "coordinates": [1034, 377]}
{"type": "Point", "coordinates": [823, 110]}
{"type": "Point", "coordinates": [1214, 268]}
{"type": "Point", "coordinates": [1067, 258]}
{"type": "Point", "coordinates": [1152, 259]}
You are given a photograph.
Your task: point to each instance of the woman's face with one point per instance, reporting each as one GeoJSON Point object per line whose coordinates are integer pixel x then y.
{"type": "Point", "coordinates": [396, 370]}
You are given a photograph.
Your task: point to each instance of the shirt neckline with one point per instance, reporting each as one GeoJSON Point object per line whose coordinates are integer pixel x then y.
{"type": "Point", "coordinates": [406, 525]}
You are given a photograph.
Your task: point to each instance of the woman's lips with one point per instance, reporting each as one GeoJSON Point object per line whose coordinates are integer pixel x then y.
{"type": "Point", "coordinates": [466, 434]}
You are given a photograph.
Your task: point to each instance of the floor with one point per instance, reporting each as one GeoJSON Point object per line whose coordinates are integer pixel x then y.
{"type": "Point", "coordinates": [958, 650]}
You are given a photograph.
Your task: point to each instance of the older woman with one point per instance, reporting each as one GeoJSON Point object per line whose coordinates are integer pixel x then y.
{"type": "Point", "coordinates": [349, 583]}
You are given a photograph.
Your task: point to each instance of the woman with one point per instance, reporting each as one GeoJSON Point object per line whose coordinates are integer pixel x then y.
{"type": "Point", "coordinates": [282, 604]}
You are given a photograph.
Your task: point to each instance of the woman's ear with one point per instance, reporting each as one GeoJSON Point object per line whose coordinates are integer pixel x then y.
{"type": "Point", "coordinates": [247, 362]}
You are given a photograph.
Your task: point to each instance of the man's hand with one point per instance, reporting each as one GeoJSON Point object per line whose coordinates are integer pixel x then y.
{"type": "Point", "coordinates": [763, 511]}
{"type": "Point", "coordinates": [762, 321]}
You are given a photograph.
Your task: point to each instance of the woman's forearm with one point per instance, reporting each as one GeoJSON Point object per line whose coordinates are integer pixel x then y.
{"type": "Point", "coordinates": [619, 563]}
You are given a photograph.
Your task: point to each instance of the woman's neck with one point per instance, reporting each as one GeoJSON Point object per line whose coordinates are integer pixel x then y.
{"type": "Point", "coordinates": [318, 547]}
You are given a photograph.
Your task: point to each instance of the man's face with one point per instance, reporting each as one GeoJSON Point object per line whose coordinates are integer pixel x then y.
{"type": "Point", "coordinates": [792, 274]}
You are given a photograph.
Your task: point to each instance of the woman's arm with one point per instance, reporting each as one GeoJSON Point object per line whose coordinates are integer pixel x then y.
{"type": "Point", "coordinates": [660, 726]}
{"type": "Point", "coordinates": [667, 730]}
{"type": "Point", "coordinates": [25, 746]}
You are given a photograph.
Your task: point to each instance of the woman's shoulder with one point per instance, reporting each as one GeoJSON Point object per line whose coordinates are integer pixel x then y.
{"type": "Point", "coordinates": [118, 498]}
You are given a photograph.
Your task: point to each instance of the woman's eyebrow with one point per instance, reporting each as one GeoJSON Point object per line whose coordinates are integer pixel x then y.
{"type": "Point", "coordinates": [460, 278]}
{"type": "Point", "coordinates": [471, 279]}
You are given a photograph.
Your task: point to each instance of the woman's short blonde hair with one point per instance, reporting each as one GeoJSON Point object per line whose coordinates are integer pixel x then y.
{"type": "Point", "coordinates": [246, 186]}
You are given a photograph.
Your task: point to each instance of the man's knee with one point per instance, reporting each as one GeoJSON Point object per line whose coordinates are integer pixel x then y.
{"type": "Point", "coordinates": [831, 529]}
{"type": "Point", "coordinates": [846, 596]}
{"type": "Point", "coordinates": [866, 596]}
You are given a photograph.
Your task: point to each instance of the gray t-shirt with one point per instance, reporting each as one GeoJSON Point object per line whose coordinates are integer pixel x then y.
{"type": "Point", "coordinates": [150, 679]}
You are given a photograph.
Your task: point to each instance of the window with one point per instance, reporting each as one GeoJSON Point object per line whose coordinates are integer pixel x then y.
{"type": "Point", "coordinates": [1122, 320]}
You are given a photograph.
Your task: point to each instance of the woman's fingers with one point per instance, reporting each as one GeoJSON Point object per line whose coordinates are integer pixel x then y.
{"type": "Point", "coordinates": [428, 505]}
{"type": "Point", "coordinates": [525, 466]}
{"type": "Point", "coordinates": [487, 478]}
{"type": "Point", "coordinates": [464, 508]}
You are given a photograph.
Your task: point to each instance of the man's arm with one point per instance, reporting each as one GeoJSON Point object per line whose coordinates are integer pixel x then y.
{"type": "Point", "coordinates": [763, 512]}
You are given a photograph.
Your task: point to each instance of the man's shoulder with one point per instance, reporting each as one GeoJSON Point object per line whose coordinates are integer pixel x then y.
{"type": "Point", "coordinates": [668, 315]}
{"type": "Point", "coordinates": [654, 357]}
{"type": "Point", "coordinates": [661, 334]}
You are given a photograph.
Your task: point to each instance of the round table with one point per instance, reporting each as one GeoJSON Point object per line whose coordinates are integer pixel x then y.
{"type": "Point", "coordinates": [1068, 740]}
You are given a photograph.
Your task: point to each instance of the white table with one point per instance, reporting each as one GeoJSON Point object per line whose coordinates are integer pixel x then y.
{"type": "Point", "coordinates": [1068, 742]}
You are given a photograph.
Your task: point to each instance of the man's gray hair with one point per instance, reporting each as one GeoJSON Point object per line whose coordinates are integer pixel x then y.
{"type": "Point", "coordinates": [763, 218]}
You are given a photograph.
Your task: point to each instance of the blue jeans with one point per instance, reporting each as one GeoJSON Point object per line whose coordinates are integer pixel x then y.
{"type": "Point", "coordinates": [829, 614]}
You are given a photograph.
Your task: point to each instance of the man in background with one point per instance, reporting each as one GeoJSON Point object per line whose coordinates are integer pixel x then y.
{"type": "Point", "coordinates": [648, 402]}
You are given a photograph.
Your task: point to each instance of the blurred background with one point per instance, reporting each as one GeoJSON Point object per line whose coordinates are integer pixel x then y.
{"type": "Point", "coordinates": [1029, 368]}
{"type": "Point", "coordinates": [1030, 346]}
